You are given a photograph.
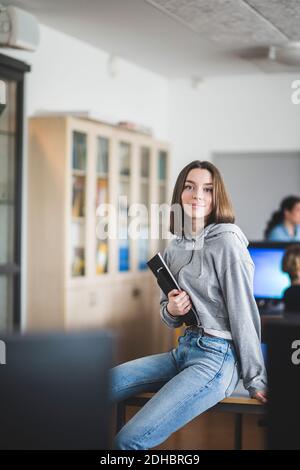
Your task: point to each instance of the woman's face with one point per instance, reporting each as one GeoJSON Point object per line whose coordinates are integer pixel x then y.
{"type": "Point", "coordinates": [293, 216]}
{"type": "Point", "coordinates": [196, 196]}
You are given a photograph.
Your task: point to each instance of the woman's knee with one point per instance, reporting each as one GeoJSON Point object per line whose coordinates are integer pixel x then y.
{"type": "Point", "coordinates": [125, 440]}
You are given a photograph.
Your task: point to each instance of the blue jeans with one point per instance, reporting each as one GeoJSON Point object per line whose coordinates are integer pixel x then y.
{"type": "Point", "coordinates": [189, 380]}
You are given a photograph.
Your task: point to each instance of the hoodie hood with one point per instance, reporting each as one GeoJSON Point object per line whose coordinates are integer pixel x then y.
{"type": "Point", "coordinates": [211, 231]}
{"type": "Point", "coordinates": [184, 247]}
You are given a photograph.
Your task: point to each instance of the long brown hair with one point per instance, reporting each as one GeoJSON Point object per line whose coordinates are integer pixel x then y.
{"type": "Point", "coordinates": [222, 211]}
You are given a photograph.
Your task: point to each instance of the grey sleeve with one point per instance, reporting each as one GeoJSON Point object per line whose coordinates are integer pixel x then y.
{"type": "Point", "coordinates": [167, 318]}
{"type": "Point", "coordinates": [245, 323]}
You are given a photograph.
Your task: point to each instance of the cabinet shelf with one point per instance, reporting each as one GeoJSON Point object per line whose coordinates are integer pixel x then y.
{"type": "Point", "coordinates": [124, 178]}
{"type": "Point", "coordinates": [79, 220]}
{"type": "Point", "coordinates": [76, 172]}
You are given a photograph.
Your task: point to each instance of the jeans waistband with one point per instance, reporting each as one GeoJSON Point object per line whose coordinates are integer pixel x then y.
{"type": "Point", "coordinates": [199, 330]}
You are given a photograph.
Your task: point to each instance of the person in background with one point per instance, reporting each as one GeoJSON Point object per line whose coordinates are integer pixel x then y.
{"type": "Point", "coordinates": [284, 224]}
{"type": "Point", "coordinates": [291, 265]}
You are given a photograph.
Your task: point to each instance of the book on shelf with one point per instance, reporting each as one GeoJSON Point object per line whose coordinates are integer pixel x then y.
{"type": "Point", "coordinates": [78, 196]}
{"type": "Point", "coordinates": [102, 189]}
{"type": "Point", "coordinates": [143, 248]}
{"type": "Point", "coordinates": [78, 265]}
{"type": "Point", "coordinates": [102, 258]}
{"type": "Point", "coordinates": [123, 258]}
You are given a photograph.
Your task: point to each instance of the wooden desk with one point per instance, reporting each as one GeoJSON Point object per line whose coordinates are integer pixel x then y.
{"type": "Point", "coordinates": [238, 403]}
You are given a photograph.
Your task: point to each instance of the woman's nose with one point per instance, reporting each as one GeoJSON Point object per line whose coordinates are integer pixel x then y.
{"type": "Point", "coordinates": [198, 195]}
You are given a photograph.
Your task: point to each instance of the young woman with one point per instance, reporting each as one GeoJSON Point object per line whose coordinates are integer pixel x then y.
{"type": "Point", "coordinates": [284, 224]}
{"type": "Point", "coordinates": [211, 263]}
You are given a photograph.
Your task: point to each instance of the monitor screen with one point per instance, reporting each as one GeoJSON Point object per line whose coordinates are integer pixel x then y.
{"type": "Point", "coordinates": [270, 281]}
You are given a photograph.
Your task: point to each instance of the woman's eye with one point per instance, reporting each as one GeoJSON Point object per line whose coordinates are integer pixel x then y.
{"type": "Point", "coordinates": [189, 187]}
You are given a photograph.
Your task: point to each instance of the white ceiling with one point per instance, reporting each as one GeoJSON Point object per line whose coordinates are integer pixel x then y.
{"type": "Point", "coordinates": [178, 38]}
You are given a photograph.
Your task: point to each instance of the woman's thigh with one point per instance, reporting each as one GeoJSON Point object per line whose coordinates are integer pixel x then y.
{"type": "Point", "coordinates": [147, 373]}
{"type": "Point", "coordinates": [195, 389]}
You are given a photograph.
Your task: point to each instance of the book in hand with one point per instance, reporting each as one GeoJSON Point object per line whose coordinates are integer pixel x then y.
{"type": "Point", "coordinates": [167, 282]}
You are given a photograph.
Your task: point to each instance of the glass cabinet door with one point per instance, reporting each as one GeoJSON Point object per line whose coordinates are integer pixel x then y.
{"type": "Point", "coordinates": [6, 302]}
{"type": "Point", "coordinates": [162, 193]}
{"type": "Point", "coordinates": [144, 179]}
{"type": "Point", "coordinates": [78, 223]}
{"type": "Point", "coordinates": [102, 187]}
{"type": "Point", "coordinates": [8, 207]}
{"type": "Point", "coordinates": [124, 164]}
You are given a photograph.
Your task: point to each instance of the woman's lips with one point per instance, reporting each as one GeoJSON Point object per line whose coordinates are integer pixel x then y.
{"type": "Point", "coordinates": [197, 205]}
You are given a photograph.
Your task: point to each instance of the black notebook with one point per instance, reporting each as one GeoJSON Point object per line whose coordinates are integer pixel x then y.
{"type": "Point", "coordinates": [167, 282]}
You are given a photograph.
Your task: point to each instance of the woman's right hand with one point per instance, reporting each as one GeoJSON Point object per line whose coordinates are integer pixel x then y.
{"type": "Point", "coordinates": [179, 303]}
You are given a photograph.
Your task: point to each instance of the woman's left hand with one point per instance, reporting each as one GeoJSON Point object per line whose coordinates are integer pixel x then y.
{"type": "Point", "coordinates": [261, 396]}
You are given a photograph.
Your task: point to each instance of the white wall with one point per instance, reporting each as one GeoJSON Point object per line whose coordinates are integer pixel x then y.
{"type": "Point", "coordinates": [257, 182]}
{"type": "Point", "coordinates": [68, 74]}
{"type": "Point", "coordinates": [242, 114]}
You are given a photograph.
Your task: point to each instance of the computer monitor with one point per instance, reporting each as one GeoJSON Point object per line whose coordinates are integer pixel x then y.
{"type": "Point", "coordinates": [270, 281]}
{"type": "Point", "coordinates": [54, 391]}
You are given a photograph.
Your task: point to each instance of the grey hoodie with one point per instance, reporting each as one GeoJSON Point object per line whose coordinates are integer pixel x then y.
{"type": "Point", "coordinates": [216, 271]}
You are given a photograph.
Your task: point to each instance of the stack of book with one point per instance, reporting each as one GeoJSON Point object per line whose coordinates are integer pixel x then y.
{"type": "Point", "coordinates": [78, 196]}
{"type": "Point", "coordinates": [102, 258]}
{"type": "Point", "coordinates": [102, 187]}
{"type": "Point", "coordinates": [78, 265]}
